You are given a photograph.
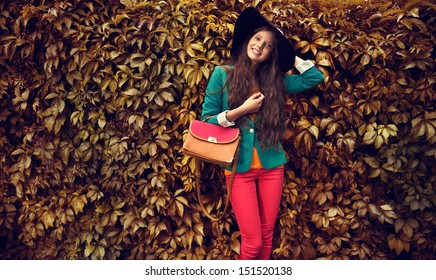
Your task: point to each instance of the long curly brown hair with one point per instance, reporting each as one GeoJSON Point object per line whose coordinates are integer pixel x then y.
{"type": "Point", "coordinates": [241, 81]}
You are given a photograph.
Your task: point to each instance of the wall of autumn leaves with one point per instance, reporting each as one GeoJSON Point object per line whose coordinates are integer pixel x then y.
{"type": "Point", "coordinates": [96, 96]}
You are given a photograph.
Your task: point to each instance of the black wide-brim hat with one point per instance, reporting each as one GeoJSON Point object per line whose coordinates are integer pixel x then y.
{"type": "Point", "coordinates": [248, 21]}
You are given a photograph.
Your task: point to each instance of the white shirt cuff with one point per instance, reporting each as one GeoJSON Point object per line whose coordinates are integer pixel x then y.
{"type": "Point", "coordinates": [304, 66]}
{"type": "Point", "coordinates": [223, 121]}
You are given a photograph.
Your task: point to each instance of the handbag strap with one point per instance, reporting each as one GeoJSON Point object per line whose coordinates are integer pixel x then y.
{"type": "Point", "coordinates": [229, 187]}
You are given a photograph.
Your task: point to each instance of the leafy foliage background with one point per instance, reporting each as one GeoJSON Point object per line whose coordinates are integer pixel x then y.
{"type": "Point", "coordinates": [96, 96]}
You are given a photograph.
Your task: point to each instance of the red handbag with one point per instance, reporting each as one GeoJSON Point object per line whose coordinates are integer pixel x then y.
{"type": "Point", "coordinates": [214, 144]}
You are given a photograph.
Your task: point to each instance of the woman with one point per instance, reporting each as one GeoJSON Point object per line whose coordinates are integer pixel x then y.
{"type": "Point", "coordinates": [251, 93]}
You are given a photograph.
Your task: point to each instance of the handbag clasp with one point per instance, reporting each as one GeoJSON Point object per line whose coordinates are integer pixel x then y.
{"type": "Point", "coordinates": [212, 139]}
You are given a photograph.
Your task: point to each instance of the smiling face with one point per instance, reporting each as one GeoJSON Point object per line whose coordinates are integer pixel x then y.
{"type": "Point", "coordinates": [260, 46]}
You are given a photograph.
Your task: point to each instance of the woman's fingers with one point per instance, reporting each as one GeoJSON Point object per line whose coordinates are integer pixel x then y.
{"type": "Point", "coordinates": [254, 103]}
{"type": "Point", "coordinates": [257, 99]}
{"type": "Point", "coordinates": [258, 95]}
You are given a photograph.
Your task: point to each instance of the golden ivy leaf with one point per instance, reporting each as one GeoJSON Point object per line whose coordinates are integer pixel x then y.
{"type": "Point", "coordinates": [89, 250]}
{"type": "Point", "coordinates": [78, 203]}
{"type": "Point", "coordinates": [48, 219]}
{"type": "Point", "coordinates": [131, 92]}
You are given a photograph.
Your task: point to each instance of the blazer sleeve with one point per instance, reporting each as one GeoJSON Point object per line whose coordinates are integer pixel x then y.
{"type": "Point", "coordinates": [308, 78]}
{"type": "Point", "coordinates": [213, 100]}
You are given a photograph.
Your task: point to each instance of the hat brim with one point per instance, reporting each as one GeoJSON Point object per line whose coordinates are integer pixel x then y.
{"type": "Point", "coordinates": [248, 21]}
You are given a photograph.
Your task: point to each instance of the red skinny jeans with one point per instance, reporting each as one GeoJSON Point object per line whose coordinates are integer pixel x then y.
{"type": "Point", "coordinates": [255, 200]}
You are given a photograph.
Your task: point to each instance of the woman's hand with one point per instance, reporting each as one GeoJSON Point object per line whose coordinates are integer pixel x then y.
{"type": "Point", "coordinates": [253, 103]}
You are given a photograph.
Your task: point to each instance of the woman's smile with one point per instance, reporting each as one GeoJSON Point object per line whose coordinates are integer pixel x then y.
{"type": "Point", "coordinates": [256, 51]}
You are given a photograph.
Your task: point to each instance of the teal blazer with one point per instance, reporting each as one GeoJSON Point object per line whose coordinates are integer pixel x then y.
{"type": "Point", "coordinates": [216, 101]}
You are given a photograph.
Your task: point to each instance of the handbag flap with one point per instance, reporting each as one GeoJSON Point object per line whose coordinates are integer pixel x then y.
{"type": "Point", "coordinates": [213, 133]}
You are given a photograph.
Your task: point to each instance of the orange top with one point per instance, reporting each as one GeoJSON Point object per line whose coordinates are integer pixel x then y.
{"type": "Point", "coordinates": [255, 162]}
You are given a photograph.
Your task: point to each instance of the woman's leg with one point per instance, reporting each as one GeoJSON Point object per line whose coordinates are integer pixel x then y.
{"type": "Point", "coordinates": [255, 201]}
{"type": "Point", "coordinates": [245, 206]}
{"type": "Point", "coordinates": [269, 189]}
